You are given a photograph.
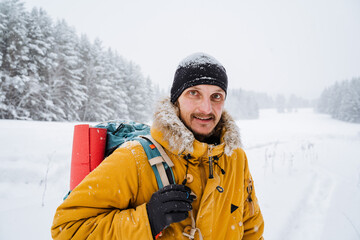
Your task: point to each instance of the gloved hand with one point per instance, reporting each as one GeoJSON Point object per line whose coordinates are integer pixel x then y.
{"type": "Point", "coordinates": [168, 205]}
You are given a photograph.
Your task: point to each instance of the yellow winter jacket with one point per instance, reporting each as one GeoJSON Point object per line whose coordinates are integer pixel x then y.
{"type": "Point", "coordinates": [110, 203]}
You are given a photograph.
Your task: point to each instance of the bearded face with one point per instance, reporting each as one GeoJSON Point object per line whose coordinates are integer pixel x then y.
{"type": "Point", "coordinates": [201, 107]}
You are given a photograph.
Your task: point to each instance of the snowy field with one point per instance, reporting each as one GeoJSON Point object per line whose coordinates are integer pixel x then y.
{"type": "Point", "coordinates": [306, 169]}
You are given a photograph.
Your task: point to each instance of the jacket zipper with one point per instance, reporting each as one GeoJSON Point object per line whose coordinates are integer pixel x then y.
{"type": "Point", "coordinates": [249, 200]}
{"type": "Point", "coordinates": [203, 176]}
{"type": "Point", "coordinates": [211, 162]}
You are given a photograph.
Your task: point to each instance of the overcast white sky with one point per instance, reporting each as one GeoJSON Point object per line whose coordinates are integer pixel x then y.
{"type": "Point", "coordinates": [278, 46]}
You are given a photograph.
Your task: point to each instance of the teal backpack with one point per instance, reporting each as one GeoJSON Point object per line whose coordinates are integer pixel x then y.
{"type": "Point", "coordinates": [121, 131]}
{"type": "Point", "coordinates": [117, 133]}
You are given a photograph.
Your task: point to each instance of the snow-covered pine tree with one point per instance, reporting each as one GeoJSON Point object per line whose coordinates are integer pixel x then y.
{"type": "Point", "coordinates": [65, 82]}
{"type": "Point", "coordinates": [344, 108]}
{"type": "Point", "coordinates": [323, 102]}
{"type": "Point", "coordinates": [40, 44]}
{"type": "Point", "coordinates": [355, 86]}
{"type": "Point", "coordinates": [14, 53]}
{"type": "Point", "coordinates": [47, 110]}
{"type": "Point", "coordinates": [3, 21]}
{"type": "Point", "coordinates": [3, 106]}
{"type": "Point", "coordinates": [342, 101]}
{"type": "Point", "coordinates": [95, 79]}
{"type": "Point", "coordinates": [87, 74]}
{"type": "Point", "coordinates": [114, 67]}
{"type": "Point", "coordinates": [137, 92]}
{"type": "Point", "coordinates": [349, 109]}
{"type": "Point", "coordinates": [335, 100]}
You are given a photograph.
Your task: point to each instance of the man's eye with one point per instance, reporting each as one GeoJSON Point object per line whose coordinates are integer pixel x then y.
{"type": "Point", "coordinates": [193, 93]}
{"type": "Point", "coordinates": [217, 96]}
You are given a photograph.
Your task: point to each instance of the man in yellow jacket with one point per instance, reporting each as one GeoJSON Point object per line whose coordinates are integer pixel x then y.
{"type": "Point", "coordinates": [213, 197]}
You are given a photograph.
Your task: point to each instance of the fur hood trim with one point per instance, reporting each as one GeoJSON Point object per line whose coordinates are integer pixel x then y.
{"type": "Point", "coordinates": [180, 139]}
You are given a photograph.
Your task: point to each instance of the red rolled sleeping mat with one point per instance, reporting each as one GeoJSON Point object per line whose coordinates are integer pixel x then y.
{"type": "Point", "coordinates": [87, 152]}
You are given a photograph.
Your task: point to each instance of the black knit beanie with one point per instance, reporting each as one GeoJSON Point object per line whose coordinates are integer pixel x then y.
{"type": "Point", "coordinates": [196, 69]}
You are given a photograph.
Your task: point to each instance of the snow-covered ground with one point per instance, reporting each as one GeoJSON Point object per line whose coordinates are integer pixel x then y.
{"type": "Point", "coordinates": [306, 169]}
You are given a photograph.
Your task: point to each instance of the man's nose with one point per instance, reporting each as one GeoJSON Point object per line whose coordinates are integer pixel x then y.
{"type": "Point", "coordinates": [205, 106]}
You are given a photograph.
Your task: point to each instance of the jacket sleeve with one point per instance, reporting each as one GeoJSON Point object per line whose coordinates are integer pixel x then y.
{"type": "Point", "coordinates": [253, 219]}
{"type": "Point", "coordinates": [104, 205]}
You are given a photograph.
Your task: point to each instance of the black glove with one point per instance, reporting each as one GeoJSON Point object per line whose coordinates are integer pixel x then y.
{"type": "Point", "coordinates": [168, 205]}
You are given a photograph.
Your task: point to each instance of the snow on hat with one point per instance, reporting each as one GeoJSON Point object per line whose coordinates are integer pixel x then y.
{"type": "Point", "coordinates": [196, 69]}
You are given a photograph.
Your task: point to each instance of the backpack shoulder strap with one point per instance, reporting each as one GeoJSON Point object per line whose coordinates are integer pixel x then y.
{"type": "Point", "coordinates": [159, 161]}
{"type": "Point", "coordinates": [160, 149]}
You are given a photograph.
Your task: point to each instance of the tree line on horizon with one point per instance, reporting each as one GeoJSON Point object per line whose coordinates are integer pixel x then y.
{"type": "Point", "coordinates": [341, 101]}
{"type": "Point", "coordinates": [244, 104]}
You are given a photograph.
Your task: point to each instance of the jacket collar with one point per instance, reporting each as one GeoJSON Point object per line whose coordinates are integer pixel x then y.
{"type": "Point", "coordinates": [171, 133]}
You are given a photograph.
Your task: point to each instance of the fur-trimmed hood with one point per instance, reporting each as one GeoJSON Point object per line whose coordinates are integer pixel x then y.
{"type": "Point", "coordinates": [170, 131]}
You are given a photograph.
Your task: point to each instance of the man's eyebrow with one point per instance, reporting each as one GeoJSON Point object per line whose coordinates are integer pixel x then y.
{"type": "Point", "coordinates": [197, 88]}
{"type": "Point", "coordinates": [194, 87]}
{"type": "Point", "coordinates": [220, 91]}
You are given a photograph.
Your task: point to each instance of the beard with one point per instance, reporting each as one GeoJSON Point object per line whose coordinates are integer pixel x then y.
{"type": "Point", "coordinates": [208, 138]}
{"type": "Point", "coordinates": [212, 137]}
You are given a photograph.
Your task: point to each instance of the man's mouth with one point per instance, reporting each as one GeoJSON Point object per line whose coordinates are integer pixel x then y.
{"type": "Point", "coordinates": [204, 118]}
